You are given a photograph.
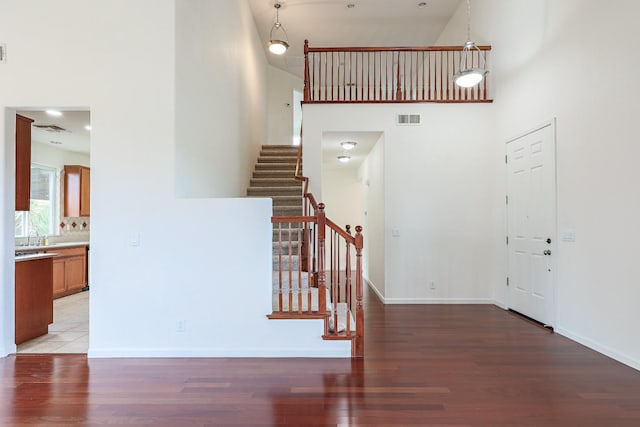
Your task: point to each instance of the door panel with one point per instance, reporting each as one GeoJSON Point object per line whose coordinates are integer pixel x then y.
{"type": "Point", "coordinates": [531, 216]}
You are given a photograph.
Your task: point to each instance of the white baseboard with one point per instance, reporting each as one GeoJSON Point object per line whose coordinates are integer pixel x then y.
{"type": "Point", "coordinates": [376, 290]}
{"type": "Point", "coordinates": [439, 301]}
{"type": "Point", "coordinates": [600, 348]}
{"type": "Point", "coordinates": [337, 352]}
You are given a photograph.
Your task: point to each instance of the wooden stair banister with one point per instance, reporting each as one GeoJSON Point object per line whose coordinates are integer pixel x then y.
{"type": "Point", "coordinates": [312, 228]}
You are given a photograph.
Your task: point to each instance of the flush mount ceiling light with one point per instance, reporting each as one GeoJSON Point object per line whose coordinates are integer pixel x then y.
{"type": "Point", "coordinates": [276, 45]}
{"type": "Point", "coordinates": [54, 113]}
{"type": "Point", "coordinates": [468, 76]}
{"type": "Point", "coordinates": [348, 145]}
{"type": "Point", "coordinates": [344, 158]}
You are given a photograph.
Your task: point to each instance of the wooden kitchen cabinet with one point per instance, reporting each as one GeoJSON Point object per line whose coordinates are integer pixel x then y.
{"type": "Point", "coordinates": [33, 299]}
{"type": "Point", "coordinates": [69, 270]}
{"type": "Point", "coordinates": [23, 162]}
{"type": "Point", "coordinates": [77, 196]}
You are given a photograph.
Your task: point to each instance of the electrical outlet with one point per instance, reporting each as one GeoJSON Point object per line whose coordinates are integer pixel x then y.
{"type": "Point", "coordinates": [181, 326]}
{"type": "Point", "coordinates": [3, 53]}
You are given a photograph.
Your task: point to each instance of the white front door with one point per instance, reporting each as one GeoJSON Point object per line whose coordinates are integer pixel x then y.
{"type": "Point", "coordinates": [531, 217]}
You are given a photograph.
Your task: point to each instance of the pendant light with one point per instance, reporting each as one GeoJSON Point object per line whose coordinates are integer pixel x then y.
{"type": "Point", "coordinates": [468, 76]}
{"type": "Point", "coordinates": [278, 46]}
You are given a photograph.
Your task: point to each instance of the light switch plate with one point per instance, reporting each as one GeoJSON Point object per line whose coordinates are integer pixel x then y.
{"type": "Point", "coordinates": [568, 236]}
{"type": "Point", "coordinates": [395, 232]}
{"type": "Point", "coordinates": [3, 53]}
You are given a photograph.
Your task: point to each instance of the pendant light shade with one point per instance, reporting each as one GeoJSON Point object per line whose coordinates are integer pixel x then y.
{"type": "Point", "coordinates": [469, 76]}
{"type": "Point", "coordinates": [278, 40]}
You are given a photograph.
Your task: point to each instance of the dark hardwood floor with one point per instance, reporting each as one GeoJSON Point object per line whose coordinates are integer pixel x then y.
{"type": "Point", "coordinates": [425, 365]}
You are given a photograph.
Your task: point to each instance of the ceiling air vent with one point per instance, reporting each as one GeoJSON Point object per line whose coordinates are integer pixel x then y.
{"type": "Point", "coordinates": [52, 128]}
{"type": "Point", "coordinates": [409, 119]}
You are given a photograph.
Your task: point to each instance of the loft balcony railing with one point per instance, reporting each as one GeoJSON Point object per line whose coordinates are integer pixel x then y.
{"type": "Point", "coordinates": [390, 74]}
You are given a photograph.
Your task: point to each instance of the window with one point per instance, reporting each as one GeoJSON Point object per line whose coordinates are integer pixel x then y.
{"type": "Point", "coordinates": [41, 217]}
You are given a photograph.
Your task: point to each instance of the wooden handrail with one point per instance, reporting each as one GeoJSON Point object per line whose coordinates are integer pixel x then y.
{"type": "Point", "coordinates": [391, 49]}
{"type": "Point", "coordinates": [344, 234]}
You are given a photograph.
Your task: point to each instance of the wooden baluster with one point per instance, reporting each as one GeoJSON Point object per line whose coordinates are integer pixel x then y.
{"type": "Point", "coordinates": [368, 76]}
{"type": "Point", "coordinates": [429, 76]}
{"type": "Point", "coordinates": [280, 301]}
{"type": "Point", "coordinates": [326, 74]}
{"type": "Point", "coordinates": [361, 85]}
{"type": "Point", "coordinates": [357, 349]}
{"type": "Point", "coordinates": [333, 82]}
{"type": "Point", "coordinates": [307, 96]}
{"type": "Point", "coordinates": [313, 76]}
{"type": "Point", "coordinates": [423, 76]}
{"type": "Point", "coordinates": [398, 80]}
{"type": "Point", "coordinates": [322, 287]}
{"type": "Point", "coordinates": [484, 92]}
{"type": "Point", "coordinates": [290, 272]}
{"type": "Point", "coordinates": [344, 76]}
{"type": "Point", "coordinates": [299, 234]}
{"type": "Point", "coordinates": [347, 285]}
{"type": "Point", "coordinates": [411, 77]}
{"type": "Point", "coordinates": [335, 285]}
{"type": "Point", "coordinates": [445, 76]}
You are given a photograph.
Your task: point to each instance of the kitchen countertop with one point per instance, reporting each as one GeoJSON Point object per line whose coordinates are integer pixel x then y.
{"type": "Point", "coordinates": [30, 257]}
{"type": "Point", "coordinates": [50, 246]}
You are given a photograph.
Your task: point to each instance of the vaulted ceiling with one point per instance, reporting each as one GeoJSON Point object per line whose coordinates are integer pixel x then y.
{"type": "Point", "coordinates": [337, 24]}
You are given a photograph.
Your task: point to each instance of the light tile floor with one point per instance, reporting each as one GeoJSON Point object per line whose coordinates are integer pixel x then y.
{"type": "Point", "coordinates": [69, 332]}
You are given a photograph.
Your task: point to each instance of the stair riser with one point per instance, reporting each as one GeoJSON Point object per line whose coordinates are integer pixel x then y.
{"type": "Point", "coordinates": [288, 202]}
{"type": "Point", "coordinates": [274, 174]}
{"type": "Point", "coordinates": [281, 153]}
{"type": "Point", "coordinates": [291, 160]}
{"type": "Point", "coordinates": [269, 191]}
{"type": "Point", "coordinates": [275, 182]}
{"type": "Point", "coordinates": [276, 166]}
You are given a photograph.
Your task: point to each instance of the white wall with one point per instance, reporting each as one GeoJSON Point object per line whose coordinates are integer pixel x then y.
{"type": "Point", "coordinates": [437, 193]}
{"type": "Point", "coordinates": [372, 177]}
{"type": "Point", "coordinates": [343, 196]}
{"type": "Point", "coordinates": [220, 77]}
{"type": "Point", "coordinates": [539, 46]}
{"type": "Point", "coordinates": [280, 105]}
{"type": "Point", "coordinates": [118, 61]}
{"type": "Point", "coordinates": [52, 157]}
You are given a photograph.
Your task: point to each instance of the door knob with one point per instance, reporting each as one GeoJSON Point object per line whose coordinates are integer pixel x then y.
{"type": "Point", "coordinates": [547, 252]}
{"type": "Point", "coordinates": [549, 241]}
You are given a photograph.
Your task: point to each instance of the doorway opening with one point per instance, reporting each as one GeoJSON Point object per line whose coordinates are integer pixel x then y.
{"type": "Point", "coordinates": [54, 224]}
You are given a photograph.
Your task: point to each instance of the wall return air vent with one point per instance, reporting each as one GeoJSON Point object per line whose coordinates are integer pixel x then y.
{"type": "Point", "coordinates": [409, 119]}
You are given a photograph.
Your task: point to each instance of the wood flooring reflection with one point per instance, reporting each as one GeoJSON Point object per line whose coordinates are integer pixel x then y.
{"type": "Point", "coordinates": [424, 365]}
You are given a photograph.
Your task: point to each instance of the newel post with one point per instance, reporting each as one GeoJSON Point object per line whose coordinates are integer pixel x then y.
{"type": "Point", "coordinates": [321, 218]}
{"type": "Point", "coordinates": [307, 91]}
{"type": "Point", "coordinates": [358, 348]}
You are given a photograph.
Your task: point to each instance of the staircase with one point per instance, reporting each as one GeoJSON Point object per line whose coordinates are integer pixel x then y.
{"type": "Point", "coordinates": [311, 280]}
{"type": "Point", "coordinates": [274, 177]}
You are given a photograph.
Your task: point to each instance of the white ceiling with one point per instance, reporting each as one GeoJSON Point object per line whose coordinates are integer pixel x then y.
{"type": "Point", "coordinates": [74, 137]}
{"type": "Point", "coordinates": [330, 23]}
{"type": "Point", "coordinates": [331, 148]}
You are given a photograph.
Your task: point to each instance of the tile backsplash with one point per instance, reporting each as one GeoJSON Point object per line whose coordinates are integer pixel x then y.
{"type": "Point", "coordinates": [71, 225]}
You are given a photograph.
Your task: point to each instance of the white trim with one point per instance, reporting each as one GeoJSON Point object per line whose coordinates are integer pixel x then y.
{"type": "Point", "coordinates": [336, 352]}
{"type": "Point", "coordinates": [376, 290]}
{"type": "Point", "coordinates": [554, 246]}
{"type": "Point", "coordinates": [600, 348]}
{"type": "Point", "coordinates": [547, 123]}
{"type": "Point", "coordinates": [440, 301]}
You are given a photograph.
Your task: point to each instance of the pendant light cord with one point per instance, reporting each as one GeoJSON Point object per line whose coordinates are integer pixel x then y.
{"type": "Point", "coordinates": [468, 20]}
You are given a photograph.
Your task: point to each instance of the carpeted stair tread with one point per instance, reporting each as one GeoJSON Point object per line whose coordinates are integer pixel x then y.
{"type": "Point", "coordinates": [275, 182]}
{"type": "Point", "coordinates": [277, 191]}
